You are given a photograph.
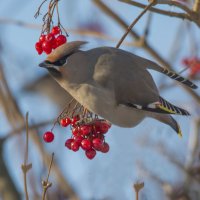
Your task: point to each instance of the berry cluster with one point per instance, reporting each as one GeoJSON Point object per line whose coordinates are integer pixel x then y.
{"type": "Point", "coordinates": [90, 136]}
{"type": "Point", "coordinates": [50, 41]}
{"type": "Point", "coordinates": [193, 64]}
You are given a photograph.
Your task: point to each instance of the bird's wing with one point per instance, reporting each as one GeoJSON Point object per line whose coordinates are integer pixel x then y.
{"type": "Point", "coordinates": [122, 76]}
{"type": "Point", "coordinates": [161, 106]}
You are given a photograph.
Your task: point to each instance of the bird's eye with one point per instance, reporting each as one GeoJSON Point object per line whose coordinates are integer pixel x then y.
{"type": "Point", "coordinates": [60, 62]}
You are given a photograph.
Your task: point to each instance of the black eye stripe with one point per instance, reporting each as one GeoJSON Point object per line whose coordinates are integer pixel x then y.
{"type": "Point", "coordinates": [60, 62]}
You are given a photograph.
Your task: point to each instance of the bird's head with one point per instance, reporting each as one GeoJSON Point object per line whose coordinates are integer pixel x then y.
{"type": "Point", "coordinates": [59, 56]}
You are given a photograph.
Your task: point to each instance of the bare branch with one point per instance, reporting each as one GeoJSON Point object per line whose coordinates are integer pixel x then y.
{"type": "Point", "coordinates": [189, 14]}
{"type": "Point", "coordinates": [46, 184]}
{"type": "Point", "coordinates": [159, 11]}
{"type": "Point", "coordinates": [134, 22]}
{"type": "Point", "coordinates": [26, 167]}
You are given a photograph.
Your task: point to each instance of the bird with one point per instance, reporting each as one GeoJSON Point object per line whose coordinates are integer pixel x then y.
{"type": "Point", "coordinates": [114, 84]}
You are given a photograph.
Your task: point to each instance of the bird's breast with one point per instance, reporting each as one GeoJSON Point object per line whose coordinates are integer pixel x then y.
{"type": "Point", "coordinates": [103, 103]}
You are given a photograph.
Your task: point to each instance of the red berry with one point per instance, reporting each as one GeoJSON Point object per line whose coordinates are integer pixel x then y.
{"type": "Point", "coordinates": [78, 139]}
{"type": "Point", "coordinates": [90, 153]}
{"type": "Point", "coordinates": [42, 38]}
{"type": "Point", "coordinates": [40, 51]}
{"type": "Point", "coordinates": [85, 129]}
{"type": "Point", "coordinates": [86, 144]}
{"type": "Point", "coordinates": [97, 143]}
{"type": "Point", "coordinates": [55, 30]}
{"type": "Point", "coordinates": [68, 120]}
{"type": "Point", "coordinates": [75, 146]}
{"type": "Point", "coordinates": [38, 46]}
{"type": "Point", "coordinates": [46, 46]}
{"type": "Point", "coordinates": [75, 131]}
{"type": "Point", "coordinates": [49, 37]}
{"type": "Point", "coordinates": [63, 122]}
{"type": "Point", "coordinates": [61, 39]}
{"type": "Point", "coordinates": [104, 127]}
{"type": "Point", "coordinates": [105, 148]}
{"type": "Point", "coordinates": [54, 44]}
{"type": "Point", "coordinates": [68, 143]}
{"type": "Point", "coordinates": [48, 137]}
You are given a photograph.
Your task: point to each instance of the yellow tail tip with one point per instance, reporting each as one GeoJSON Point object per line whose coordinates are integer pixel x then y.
{"type": "Point", "coordinates": [179, 132]}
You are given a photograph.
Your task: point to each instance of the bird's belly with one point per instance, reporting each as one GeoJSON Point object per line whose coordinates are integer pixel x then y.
{"type": "Point", "coordinates": [103, 103]}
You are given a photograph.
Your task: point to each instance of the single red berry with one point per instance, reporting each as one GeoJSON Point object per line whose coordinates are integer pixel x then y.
{"type": "Point", "coordinates": [42, 38]}
{"type": "Point", "coordinates": [48, 137]}
{"type": "Point", "coordinates": [75, 146]}
{"type": "Point", "coordinates": [55, 30]}
{"type": "Point", "coordinates": [38, 46]}
{"type": "Point", "coordinates": [49, 37]}
{"type": "Point", "coordinates": [68, 143]}
{"type": "Point", "coordinates": [104, 127]}
{"type": "Point", "coordinates": [39, 51]}
{"type": "Point", "coordinates": [46, 46]}
{"type": "Point", "coordinates": [75, 131]}
{"type": "Point", "coordinates": [97, 143]}
{"type": "Point", "coordinates": [61, 39]}
{"type": "Point", "coordinates": [90, 153]}
{"type": "Point", "coordinates": [85, 130]}
{"type": "Point", "coordinates": [68, 120]}
{"type": "Point", "coordinates": [105, 148]}
{"type": "Point", "coordinates": [86, 144]}
{"type": "Point", "coordinates": [78, 139]}
{"type": "Point", "coordinates": [63, 123]}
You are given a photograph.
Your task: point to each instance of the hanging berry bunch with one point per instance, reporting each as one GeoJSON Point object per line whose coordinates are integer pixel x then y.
{"type": "Point", "coordinates": [193, 64]}
{"type": "Point", "coordinates": [51, 36]}
{"type": "Point", "coordinates": [88, 131]}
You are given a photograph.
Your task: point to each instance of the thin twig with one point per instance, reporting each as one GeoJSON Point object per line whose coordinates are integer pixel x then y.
{"type": "Point", "coordinates": [189, 15]}
{"type": "Point", "coordinates": [26, 167]}
{"type": "Point", "coordinates": [134, 22]}
{"type": "Point", "coordinates": [46, 184]}
{"type": "Point", "coordinates": [137, 187]}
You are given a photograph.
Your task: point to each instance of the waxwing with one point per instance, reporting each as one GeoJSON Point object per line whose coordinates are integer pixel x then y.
{"type": "Point", "coordinates": [113, 83]}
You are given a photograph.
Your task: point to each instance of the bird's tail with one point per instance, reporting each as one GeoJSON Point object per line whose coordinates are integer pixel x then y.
{"type": "Point", "coordinates": [178, 78]}
{"type": "Point", "coordinates": [169, 120]}
{"type": "Point", "coordinates": [173, 75]}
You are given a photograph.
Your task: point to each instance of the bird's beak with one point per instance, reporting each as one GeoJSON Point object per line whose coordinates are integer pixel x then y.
{"type": "Point", "coordinates": [45, 64]}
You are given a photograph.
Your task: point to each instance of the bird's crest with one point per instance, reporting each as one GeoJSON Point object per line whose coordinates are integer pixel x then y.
{"type": "Point", "coordinates": [64, 50]}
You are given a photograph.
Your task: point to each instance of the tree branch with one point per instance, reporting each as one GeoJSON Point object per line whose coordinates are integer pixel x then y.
{"type": "Point", "coordinates": [159, 11]}
{"type": "Point", "coordinates": [189, 14]}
